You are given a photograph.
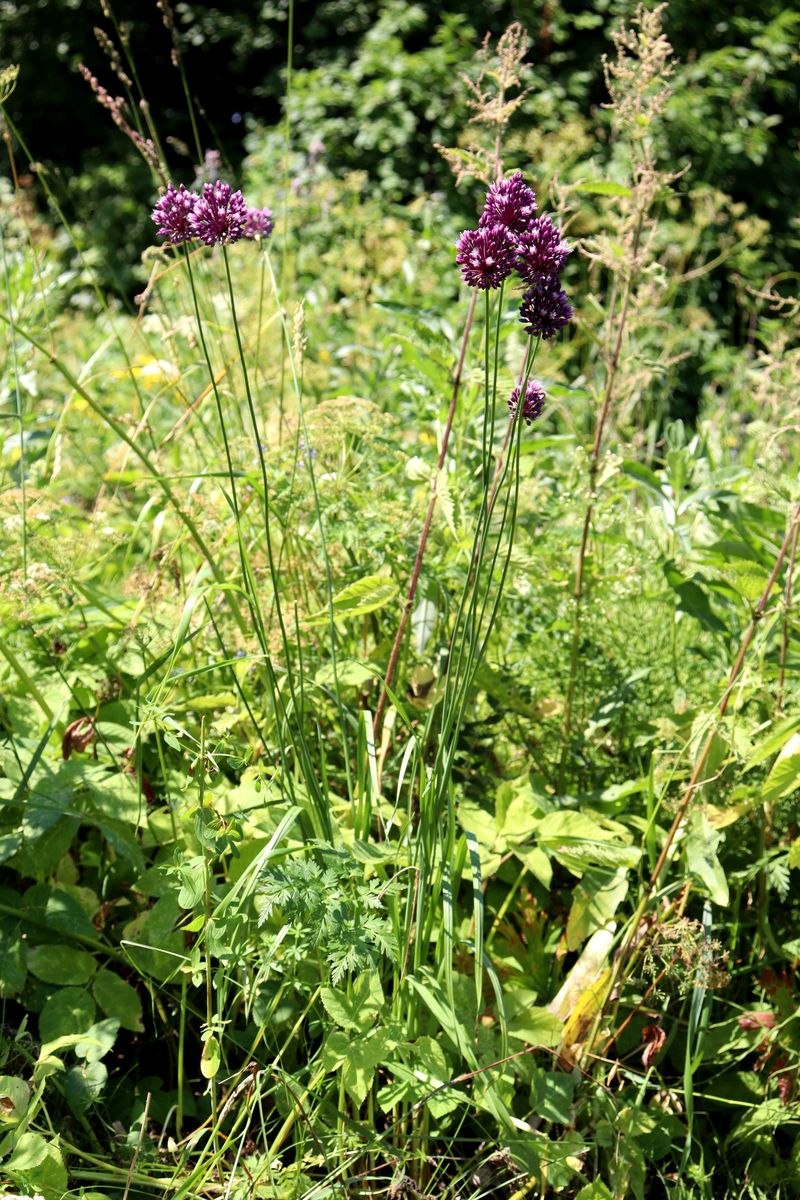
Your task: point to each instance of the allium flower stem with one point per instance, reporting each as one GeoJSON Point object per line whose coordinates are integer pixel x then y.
{"type": "Point", "coordinates": [301, 746]}
{"type": "Point", "coordinates": [594, 466]}
{"type": "Point", "coordinates": [391, 666]}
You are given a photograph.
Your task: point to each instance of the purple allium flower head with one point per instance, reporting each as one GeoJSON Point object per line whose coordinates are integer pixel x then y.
{"type": "Point", "coordinates": [542, 250]}
{"type": "Point", "coordinates": [545, 308]}
{"type": "Point", "coordinates": [258, 223]}
{"type": "Point", "coordinates": [486, 256]}
{"type": "Point", "coordinates": [534, 401]}
{"type": "Point", "coordinates": [219, 214]}
{"type": "Point", "coordinates": [173, 214]}
{"type": "Point", "coordinates": [509, 202]}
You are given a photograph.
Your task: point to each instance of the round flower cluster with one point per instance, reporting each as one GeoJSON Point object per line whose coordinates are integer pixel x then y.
{"type": "Point", "coordinates": [511, 237]}
{"type": "Point", "coordinates": [217, 216]}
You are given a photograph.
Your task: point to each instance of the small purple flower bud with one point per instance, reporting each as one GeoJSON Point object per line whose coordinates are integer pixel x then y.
{"type": "Point", "coordinates": [173, 215]}
{"type": "Point", "coordinates": [486, 256]}
{"type": "Point", "coordinates": [534, 401]}
{"type": "Point", "coordinates": [509, 202]}
{"type": "Point", "coordinates": [219, 214]}
{"type": "Point", "coordinates": [542, 250]}
{"type": "Point", "coordinates": [258, 223]}
{"type": "Point", "coordinates": [545, 308]}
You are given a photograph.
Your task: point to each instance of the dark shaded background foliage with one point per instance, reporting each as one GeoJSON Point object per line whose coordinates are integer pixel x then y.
{"type": "Point", "coordinates": [376, 80]}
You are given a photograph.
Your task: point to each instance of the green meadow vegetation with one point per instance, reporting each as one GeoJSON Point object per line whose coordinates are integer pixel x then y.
{"type": "Point", "coordinates": [400, 780]}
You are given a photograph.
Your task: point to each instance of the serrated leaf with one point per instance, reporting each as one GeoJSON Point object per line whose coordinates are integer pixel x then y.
{"type": "Point", "coordinates": [358, 1008]}
{"type": "Point", "coordinates": [784, 777]}
{"type": "Point", "coordinates": [364, 596]}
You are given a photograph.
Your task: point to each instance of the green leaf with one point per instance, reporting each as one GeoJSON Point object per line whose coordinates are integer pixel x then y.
{"type": "Point", "coordinates": [701, 858]}
{"type": "Point", "coordinates": [358, 1059]}
{"type": "Point", "coordinates": [83, 1084]}
{"type": "Point", "coordinates": [61, 964]}
{"type": "Point", "coordinates": [552, 1094]}
{"type": "Point", "coordinates": [594, 901]}
{"type": "Point", "coordinates": [537, 1027]}
{"type": "Point", "coordinates": [596, 1190]}
{"type": "Point", "coordinates": [359, 1008]}
{"type": "Point", "coordinates": [578, 841]}
{"type": "Point", "coordinates": [37, 1168]}
{"type": "Point", "coordinates": [602, 187]}
{"type": "Point", "coordinates": [98, 1040]}
{"type": "Point", "coordinates": [784, 777]}
{"type": "Point", "coordinates": [211, 1058]}
{"type": "Point", "coordinates": [69, 1010]}
{"type": "Point", "coordinates": [118, 999]}
{"type": "Point", "coordinates": [364, 596]}
{"type": "Point", "coordinates": [16, 1094]}
{"type": "Point", "coordinates": [13, 968]}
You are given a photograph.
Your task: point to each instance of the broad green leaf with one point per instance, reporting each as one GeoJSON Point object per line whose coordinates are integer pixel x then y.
{"type": "Point", "coordinates": [118, 999]}
{"type": "Point", "coordinates": [83, 1084]}
{"type": "Point", "coordinates": [536, 1026]}
{"type": "Point", "coordinates": [37, 1168]}
{"type": "Point", "coordinates": [98, 1040]}
{"type": "Point", "coordinates": [68, 1011]}
{"type": "Point", "coordinates": [153, 942]}
{"type": "Point", "coordinates": [552, 1094]}
{"type": "Point", "coordinates": [358, 1008]}
{"type": "Point", "coordinates": [596, 1190]}
{"type": "Point", "coordinates": [61, 964]}
{"type": "Point", "coordinates": [578, 841]}
{"type": "Point", "coordinates": [364, 596]}
{"type": "Point", "coordinates": [594, 901]}
{"type": "Point", "coordinates": [784, 777]}
{"type": "Point", "coordinates": [210, 1058]}
{"type": "Point", "coordinates": [701, 858]}
{"type": "Point", "coordinates": [357, 1058]}
{"type": "Point", "coordinates": [14, 1094]}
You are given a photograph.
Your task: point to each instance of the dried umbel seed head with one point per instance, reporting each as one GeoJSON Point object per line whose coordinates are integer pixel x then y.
{"type": "Point", "coordinates": [258, 223]}
{"type": "Point", "coordinates": [545, 308]}
{"type": "Point", "coordinates": [535, 397]}
{"type": "Point", "coordinates": [219, 214]}
{"type": "Point", "coordinates": [509, 202]}
{"type": "Point", "coordinates": [173, 215]}
{"type": "Point", "coordinates": [542, 250]}
{"type": "Point", "coordinates": [486, 256]}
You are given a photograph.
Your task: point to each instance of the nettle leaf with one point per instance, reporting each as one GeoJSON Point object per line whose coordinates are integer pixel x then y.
{"type": "Point", "coordinates": [784, 776]}
{"type": "Point", "coordinates": [364, 596]}
{"type": "Point", "coordinates": [61, 964]}
{"type": "Point", "coordinates": [359, 1008]}
{"type": "Point", "coordinates": [701, 858]}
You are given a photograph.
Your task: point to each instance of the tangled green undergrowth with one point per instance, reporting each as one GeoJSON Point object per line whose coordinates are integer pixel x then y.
{"type": "Point", "coordinates": [520, 920]}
